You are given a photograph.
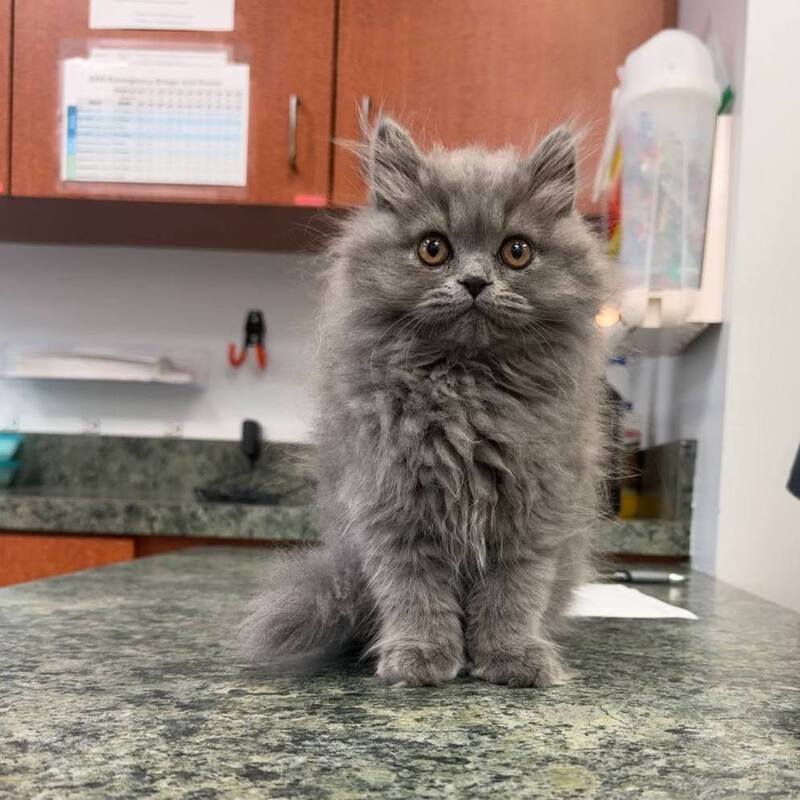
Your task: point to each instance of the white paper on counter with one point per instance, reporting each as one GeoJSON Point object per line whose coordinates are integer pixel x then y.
{"type": "Point", "coordinates": [162, 123]}
{"type": "Point", "coordinates": [165, 15]}
{"type": "Point", "coordinates": [617, 600]}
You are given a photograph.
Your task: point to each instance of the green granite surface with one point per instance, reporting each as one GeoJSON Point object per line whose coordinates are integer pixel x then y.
{"type": "Point", "coordinates": [117, 683]}
{"type": "Point", "coordinates": [155, 469]}
{"type": "Point", "coordinates": [145, 517]}
{"type": "Point", "coordinates": [126, 485]}
{"type": "Point", "coordinates": [140, 486]}
{"type": "Point", "coordinates": [645, 537]}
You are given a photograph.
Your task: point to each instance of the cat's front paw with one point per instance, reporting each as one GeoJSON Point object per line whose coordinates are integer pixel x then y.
{"type": "Point", "coordinates": [533, 664]}
{"type": "Point", "coordinates": [411, 665]}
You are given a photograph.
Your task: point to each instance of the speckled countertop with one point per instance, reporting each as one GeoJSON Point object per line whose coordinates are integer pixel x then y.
{"type": "Point", "coordinates": [160, 516]}
{"type": "Point", "coordinates": [117, 684]}
{"type": "Point", "coordinates": [140, 487]}
{"type": "Point", "coordinates": [131, 486]}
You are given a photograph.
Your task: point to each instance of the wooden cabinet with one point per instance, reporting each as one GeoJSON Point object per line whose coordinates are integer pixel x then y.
{"type": "Point", "coordinates": [455, 71]}
{"type": "Point", "coordinates": [478, 71]}
{"type": "Point", "coordinates": [289, 44]}
{"type": "Point", "coordinates": [28, 556]}
{"type": "Point", "coordinates": [5, 91]}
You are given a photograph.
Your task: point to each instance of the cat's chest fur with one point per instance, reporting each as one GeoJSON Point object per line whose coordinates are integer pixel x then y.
{"type": "Point", "coordinates": [449, 414]}
{"type": "Point", "coordinates": [453, 450]}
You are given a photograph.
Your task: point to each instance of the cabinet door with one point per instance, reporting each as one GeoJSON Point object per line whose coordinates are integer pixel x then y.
{"type": "Point", "coordinates": [29, 556]}
{"type": "Point", "coordinates": [5, 90]}
{"type": "Point", "coordinates": [479, 71]}
{"type": "Point", "coordinates": [289, 45]}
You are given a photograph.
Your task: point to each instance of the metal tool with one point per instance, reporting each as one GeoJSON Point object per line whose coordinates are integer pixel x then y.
{"type": "Point", "coordinates": [638, 575]}
{"type": "Point", "coordinates": [255, 330]}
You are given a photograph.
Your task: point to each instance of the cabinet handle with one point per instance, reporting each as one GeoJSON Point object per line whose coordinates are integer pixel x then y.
{"type": "Point", "coordinates": [364, 109]}
{"type": "Point", "coordinates": [294, 103]}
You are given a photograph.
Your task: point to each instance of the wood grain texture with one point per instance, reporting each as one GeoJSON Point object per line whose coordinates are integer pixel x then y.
{"type": "Point", "coordinates": [5, 92]}
{"type": "Point", "coordinates": [478, 71]}
{"type": "Point", "coordinates": [29, 556]}
{"type": "Point", "coordinates": [289, 44]}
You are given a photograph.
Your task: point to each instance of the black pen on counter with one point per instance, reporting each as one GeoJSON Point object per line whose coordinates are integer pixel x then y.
{"type": "Point", "coordinates": [638, 575]}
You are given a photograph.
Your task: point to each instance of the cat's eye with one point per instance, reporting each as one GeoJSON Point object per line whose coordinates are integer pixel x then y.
{"type": "Point", "coordinates": [433, 249]}
{"type": "Point", "coordinates": [516, 252]}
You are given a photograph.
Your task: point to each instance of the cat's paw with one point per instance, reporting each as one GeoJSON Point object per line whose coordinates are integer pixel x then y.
{"type": "Point", "coordinates": [533, 664]}
{"type": "Point", "coordinates": [409, 665]}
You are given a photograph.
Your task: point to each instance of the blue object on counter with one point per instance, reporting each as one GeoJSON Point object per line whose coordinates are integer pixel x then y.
{"type": "Point", "coordinates": [8, 471]}
{"type": "Point", "coordinates": [9, 444]}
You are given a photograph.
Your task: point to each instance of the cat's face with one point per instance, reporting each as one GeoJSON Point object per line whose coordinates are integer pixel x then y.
{"type": "Point", "coordinates": [470, 246]}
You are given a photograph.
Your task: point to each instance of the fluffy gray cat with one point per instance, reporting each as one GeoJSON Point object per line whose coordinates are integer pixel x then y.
{"type": "Point", "coordinates": [459, 436]}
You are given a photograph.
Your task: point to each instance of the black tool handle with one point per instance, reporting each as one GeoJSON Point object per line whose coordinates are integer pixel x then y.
{"type": "Point", "coordinates": [254, 328]}
{"type": "Point", "coordinates": [251, 440]}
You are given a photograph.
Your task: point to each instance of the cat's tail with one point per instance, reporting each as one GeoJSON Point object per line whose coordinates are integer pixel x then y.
{"type": "Point", "coordinates": [315, 601]}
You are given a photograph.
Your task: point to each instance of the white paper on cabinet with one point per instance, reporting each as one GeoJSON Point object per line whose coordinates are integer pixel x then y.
{"type": "Point", "coordinates": [165, 15]}
{"type": "Point", "coordinates": [160, 56]}
{"type": "Point", "coordinates": [170, 123]}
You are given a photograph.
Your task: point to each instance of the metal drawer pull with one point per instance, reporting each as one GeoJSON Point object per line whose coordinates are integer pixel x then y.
{"type": "Point", "coordinates": [294, 103]}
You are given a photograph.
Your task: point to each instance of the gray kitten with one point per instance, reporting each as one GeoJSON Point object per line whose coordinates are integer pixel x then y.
{"type": "Point", "coordinates": [460, 436]}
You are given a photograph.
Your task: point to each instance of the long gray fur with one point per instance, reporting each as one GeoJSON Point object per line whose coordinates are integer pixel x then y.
{"type": "Point", "coordinates": [459, 438]}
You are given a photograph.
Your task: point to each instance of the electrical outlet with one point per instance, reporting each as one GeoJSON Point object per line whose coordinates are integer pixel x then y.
{"type": "Point", "coordinates": [91, 426]}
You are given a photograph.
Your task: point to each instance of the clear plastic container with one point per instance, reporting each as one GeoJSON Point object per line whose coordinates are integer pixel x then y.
{"type": "Point", "coordinates": [665, 114]}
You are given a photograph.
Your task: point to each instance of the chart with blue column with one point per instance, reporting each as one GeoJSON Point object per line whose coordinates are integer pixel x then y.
{"type": "Point", "coordinates": [145, 123]}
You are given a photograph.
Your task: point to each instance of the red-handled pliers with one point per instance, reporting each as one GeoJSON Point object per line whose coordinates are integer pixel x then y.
{"type": "Point", "coordinates": [254, 331]}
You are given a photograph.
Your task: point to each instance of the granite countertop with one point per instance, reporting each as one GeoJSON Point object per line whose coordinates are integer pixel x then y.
{"type": "Point", "coordinates": [143, 487]}
{"type": "Point", "coordinates": [155, 515]}
{"type": "Point", "coordinates": [117, 683]}
{"type": "Point", "coordinates": [160, 516]}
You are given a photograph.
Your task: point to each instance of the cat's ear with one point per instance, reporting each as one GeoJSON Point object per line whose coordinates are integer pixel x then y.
{"type": "Point", "coordinates": [393, 164]}
{"type": "Point", "coordinates": [552, 170]}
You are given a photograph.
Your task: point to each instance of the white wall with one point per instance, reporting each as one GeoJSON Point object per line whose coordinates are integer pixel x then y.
{"type": "Point", "coordinates": [758, 545]}
{"type": "Point", "coordinates": [168, 298]}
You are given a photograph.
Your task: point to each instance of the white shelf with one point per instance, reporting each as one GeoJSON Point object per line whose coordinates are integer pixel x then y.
{"type": "Point", "coordinates": [112, 363]}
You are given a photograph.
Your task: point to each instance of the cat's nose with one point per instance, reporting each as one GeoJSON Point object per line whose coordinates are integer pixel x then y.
{"type": "Point", "coordinates": [474, 284]}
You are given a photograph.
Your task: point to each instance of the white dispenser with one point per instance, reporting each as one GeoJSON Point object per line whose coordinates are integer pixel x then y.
{"type": "Point", "coordinates": [664, 116]}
